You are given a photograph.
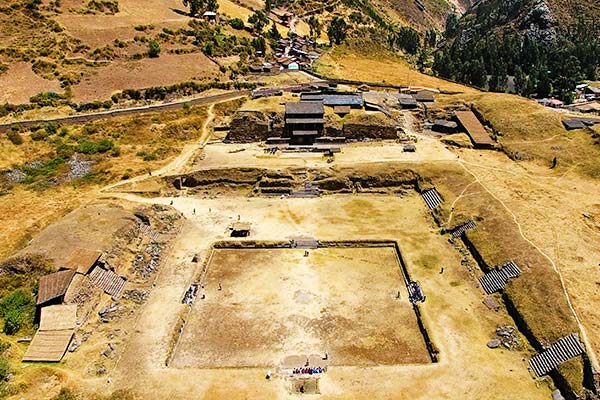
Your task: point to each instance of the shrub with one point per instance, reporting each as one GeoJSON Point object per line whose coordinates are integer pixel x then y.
{"type": "Point", "coordinates": [4, 369]}
{"type": "Point", "coordinates": [236, 23]}
{"type": "Point", "coordinates": [15, 138]}
{"type": "Point", "coordinates": [153, 49]}
{"type": "Point", "coordinates": [15, 309]}
{"type": "Point", "coordinates": [12, 321]}
{"type": "Point", "coordinates": [65, 394]}
{"type": "Point", "coordinates": [3, 347]}
{"type": "Point", "coordinates": [105, 145]}
{"type": "Point", "coordinates": [91, 147]}
{"type": "Point", "coordinates": [38, 135]}
{"type": "Point", "coordinates": [149, 157]}
{"type": "Point", "coordinates": [52, 128]}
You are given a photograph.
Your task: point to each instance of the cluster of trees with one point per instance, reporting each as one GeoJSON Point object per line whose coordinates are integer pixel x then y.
{"type": "Point", "coordinates": [259, 19]}
{"type": "Point", "coordinates": [197, 5]}
{"type": "Point", "coordinates": [337, 30]}
{"type": "Point", "coordinates": [491, 60]}
{"type": "Point", "coordinates": [406, 39]}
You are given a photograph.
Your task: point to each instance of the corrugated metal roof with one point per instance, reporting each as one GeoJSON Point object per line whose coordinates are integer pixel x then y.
{"type": "Point", "coordinates": [498, 278]}
{"type": "Point", "coordinates": [48, 346]}
{"type": "Point", "coordinates": [474, 129]}
{"type": "Point", "coordinates": [54, 285]}
{"type": "Point", "coordinates": [342, 100]}
{"type": "Point", "coordinates": [432, 198]}
{"type": "Point", "coordinates": [458, 231]}
{"type": "Point", "coordinates": [59, 317]}
{"type": "Point", "coordinates": [305, 107]}
{"type": "Point", "coordinates": [424, 96]}
{"type": "Point", "coordinates": [80, 260]}
{"type": "Point", "coordinates": [108, 281]}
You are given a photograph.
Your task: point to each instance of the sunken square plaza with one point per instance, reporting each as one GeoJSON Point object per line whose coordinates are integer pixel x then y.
{"type": "Point", "coordinates": [276, 304]}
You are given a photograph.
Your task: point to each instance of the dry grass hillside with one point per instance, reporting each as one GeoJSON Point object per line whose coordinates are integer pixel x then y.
{"type": "Point", "coordinates": [50, 174]}
{"type": "Point", "coordinates": [381, 66]}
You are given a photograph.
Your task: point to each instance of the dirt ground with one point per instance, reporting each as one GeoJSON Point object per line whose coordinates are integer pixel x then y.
{"type": "Point", "coordinates": [168, 69]}
{"type": "Point", "coordinates": [459, 324]}
{"type": "Point", "coordinates": [20, 83]}
{"type": "Point", "coordinates": [278, 303]}
{"type": "Point", "coordinates": [101, 30]}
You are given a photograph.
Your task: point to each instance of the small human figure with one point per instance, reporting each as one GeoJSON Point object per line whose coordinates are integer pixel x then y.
{"type": "Point", "coordinates": [326, 356]}
{"type": "Point", "coordinates": [398, 296]}
{"type": "Point", "coordinates": [305, 253]}
{"type": "Point", "coordinates": [220, 287]}
{"type": "Point", "coordinates": [239, 217]}
{"type": "Point", "coordinates": [150, 173]}
{"type": "Point", "coordinates": [268, 376]}
{"type": "Point", "coordinates": [203, 295]}
{"type": "Point", "coordinates": [171, 203]}
{"type": "Point", "coordinates": [194, 211]}
{"type": "Point", "coordinates": [442, 270]}
{"type": "Point", "coordinates": [307, 362]}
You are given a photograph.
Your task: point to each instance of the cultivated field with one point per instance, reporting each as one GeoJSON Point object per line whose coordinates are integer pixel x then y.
{"type": "Point", "coordinates": [278, 303]}
{"type": "Point", "coordinates": [167, 70]}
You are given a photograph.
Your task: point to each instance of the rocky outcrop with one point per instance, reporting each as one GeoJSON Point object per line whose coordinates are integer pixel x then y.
{"type": "Point", "coordinates": [539, 23]}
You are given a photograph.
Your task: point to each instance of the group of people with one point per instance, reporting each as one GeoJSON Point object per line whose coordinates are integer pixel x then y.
{"type": "Point", "coordinates": [308, 370]}
{"type": "Point", "coordinates": [271, 150]}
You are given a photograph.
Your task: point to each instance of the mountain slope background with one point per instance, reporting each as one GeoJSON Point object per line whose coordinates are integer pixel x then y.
{"type": "Point", "coordinates": [545, 46]}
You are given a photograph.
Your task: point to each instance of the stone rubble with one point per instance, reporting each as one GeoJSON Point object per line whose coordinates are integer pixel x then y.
{"type": "Point", "coordinates": [107, 314]}
{"type": "Point", "coordinates": [138, 296]}
{"type": "Point", "coordinates": [507, 337]}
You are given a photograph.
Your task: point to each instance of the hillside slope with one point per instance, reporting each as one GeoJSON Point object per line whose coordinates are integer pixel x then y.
{"type": "Point", "coordinates": [546, 46]}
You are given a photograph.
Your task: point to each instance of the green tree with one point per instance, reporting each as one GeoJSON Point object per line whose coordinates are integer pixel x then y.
{"type": "Point", "coordinates": [408, 40]}
{"type": "Point", "coordinates": [194, 6]}
{"type": "Point", "coordinates": [236, 23]}
{"type": "Point", "coordinates": [208, 49]}
{"type": "Point", "coordinates": [274, 32]}
{"type": "Point", "coordinates": [337, 30]}
{"type": "Point", "coordinates": [212, 5]}
{"type": "Point", "coordinates": [153, 49]}
{"type": "Point", "coordinates": [451, 25]}
{"type": "Point", "coordinates": [268, 5]}
{"type": "Point", "coordinates": [259, 44]}
{"type": "Point", "coordinates": [258, 20]}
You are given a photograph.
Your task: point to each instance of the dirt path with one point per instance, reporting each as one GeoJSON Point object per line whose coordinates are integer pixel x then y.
{"type": "Point", "coordinates": [177, 165]}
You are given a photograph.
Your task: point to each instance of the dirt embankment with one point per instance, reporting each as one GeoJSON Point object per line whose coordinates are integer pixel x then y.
{"type": "Point", "coordinates": [535, 300]}
{"type": "Point", "coordinates": [258, 181]}
{"type": "Point", "coordinates": [248, 127]}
